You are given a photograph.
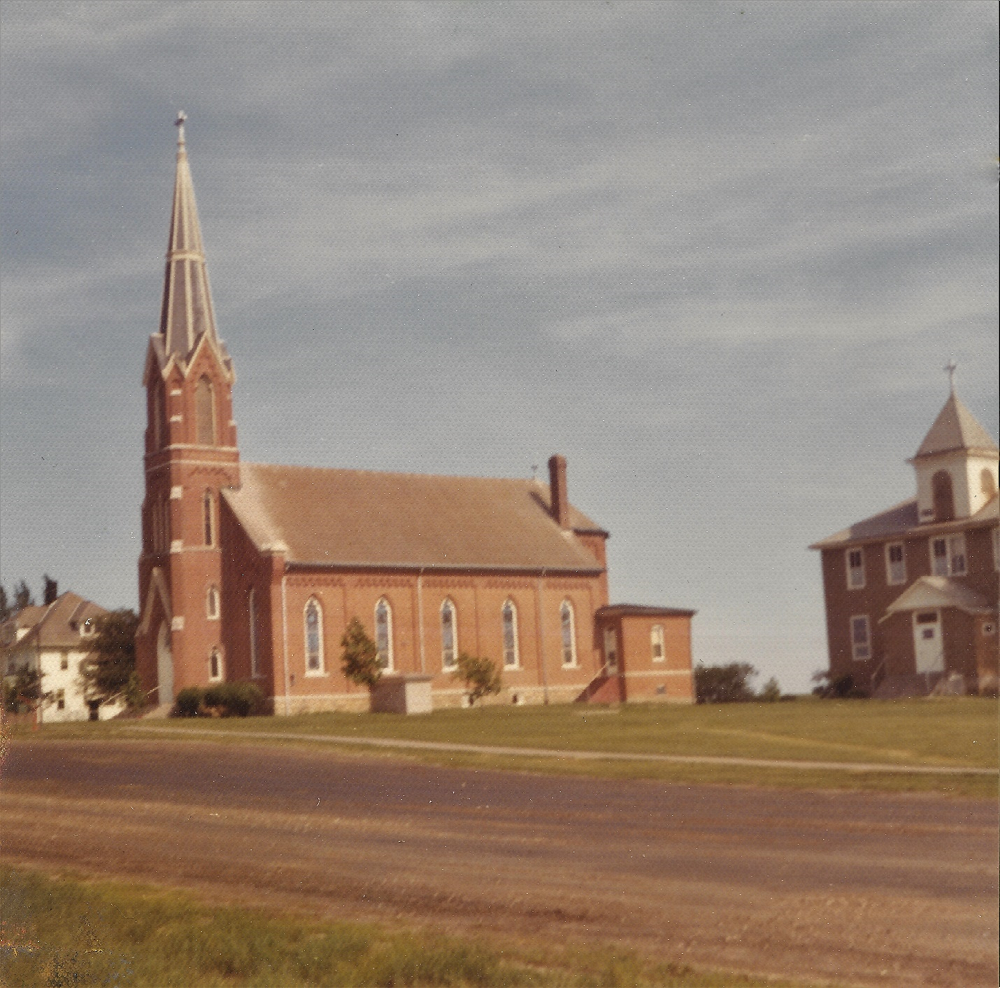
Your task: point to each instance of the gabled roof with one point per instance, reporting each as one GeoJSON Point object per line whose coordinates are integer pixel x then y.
{"type": "Point", "coordinates": [900, 520]}
{"type": "Point", "coordinates": [363, 518]}
{"type": "Point", "coordinates": [61, 624]}
{"type": "Point", "coordinates": [939, 591]}
{"type": "Point", "coordinates": [955, 428]}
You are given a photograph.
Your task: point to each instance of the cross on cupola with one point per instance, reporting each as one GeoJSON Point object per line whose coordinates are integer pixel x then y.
{"type": "Point", "coordinates": [951, 367]}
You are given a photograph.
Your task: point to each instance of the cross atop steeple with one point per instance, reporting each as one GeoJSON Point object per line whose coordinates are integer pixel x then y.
{"type": "Point", "coordinates": [179, 124]}
{"type": "Point", "coordinates": [951, 367]}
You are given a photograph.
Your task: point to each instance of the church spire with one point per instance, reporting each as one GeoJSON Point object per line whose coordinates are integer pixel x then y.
{"type": "Point", "coordinates": [186, 313]}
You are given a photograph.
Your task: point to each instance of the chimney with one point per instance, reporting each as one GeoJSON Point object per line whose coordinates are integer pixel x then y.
{"type": "Point", "coordinates": [557, 490]}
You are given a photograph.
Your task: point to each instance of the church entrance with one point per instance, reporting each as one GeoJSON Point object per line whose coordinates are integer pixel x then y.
{"type": "Point", "coordinates": [164, 666]}
{"type": "Point", "coordinates": [928, 645]}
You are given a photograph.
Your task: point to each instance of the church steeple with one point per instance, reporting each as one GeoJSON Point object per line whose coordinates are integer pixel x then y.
{"type": "Point", "coordinates": [186, 313]}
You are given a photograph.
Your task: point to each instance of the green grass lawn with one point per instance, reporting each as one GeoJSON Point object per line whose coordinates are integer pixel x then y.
{"type": "Point", "coordinates": [947, 732]}
{"type": "Point", "coordinates": [67, 931]}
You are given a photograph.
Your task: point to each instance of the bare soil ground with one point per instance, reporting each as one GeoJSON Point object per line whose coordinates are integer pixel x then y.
{"type": "Point", "coordinates": [854, 888]}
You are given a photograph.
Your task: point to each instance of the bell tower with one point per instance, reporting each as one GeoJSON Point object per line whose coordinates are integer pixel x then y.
{"type": "Point", "coordinates": [190, 457]}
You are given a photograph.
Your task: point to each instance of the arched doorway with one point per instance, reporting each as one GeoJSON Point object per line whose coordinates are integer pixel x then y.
{"type": "Point", "coordinates": [164, 666]}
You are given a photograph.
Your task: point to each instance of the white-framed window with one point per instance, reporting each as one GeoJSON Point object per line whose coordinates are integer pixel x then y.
{"type": "Point", "coordinates": [383, 633]}
{"type": "Point", "coordinates": [948, 555]}
{"type": "Point", "coordinates": [449, 635]}
{"type": "Point", "coordinates": [254, 644]}
{"type": "Point", "coordinates": [212, 603]}
{"type": "Point", "coordinates": [60, 699]}
{"type": "Point", "coordinates": [855, 569]}
{"type": "Point", "coordinates": [657, 645]}
{"type": "Point", "coordinates": [511, 651]}
{"type": "Point", "coordinates": [215, 665]}
{"type": "Point", "coordinates": [861, 644]}
{"type": "Point", "coordinates": [567, 624]}
{"type": "Point", "coordinates": [610, 649]}
{"type": "Point", "coordinates": [895, 563]}
{"type": "Point", "coordinates": [208, 517]}
{"type": "Point", "coordinates": [314, 637]}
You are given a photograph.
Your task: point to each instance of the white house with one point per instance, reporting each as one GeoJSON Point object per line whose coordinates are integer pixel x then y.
{"type": "Point", "coordinates": [53, 638]}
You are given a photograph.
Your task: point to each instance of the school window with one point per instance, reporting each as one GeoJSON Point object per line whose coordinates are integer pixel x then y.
{"type": "Point", "coordinates": [568, 628]}
{"type": "Point", "coordinates": [314, 638]}
{"type": "Point", "coordinates": [861, 646]}
{"type": "Point", "coordinates": [855, 569]}
{"type": "Point", "coordinates": [383, 633]}
{"type": "Point", "coordinates": [61, 700]}
{"type": "Point", "coordinates": [215, 664]}
{"type": "Point", "coordinates": [449, 636]}
{"type": "Point", "coordinates": [656, 644]}
{"type": "Point", "coordinates": [895, 563]}
{"type": "Point", "coordinates": [948, 555]}
{"type": "Point", "coordinates": [511, 659]}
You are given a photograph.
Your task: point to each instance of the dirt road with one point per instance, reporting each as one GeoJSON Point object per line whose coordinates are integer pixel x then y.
{"type": "Point", "coordinates": [856, 887]}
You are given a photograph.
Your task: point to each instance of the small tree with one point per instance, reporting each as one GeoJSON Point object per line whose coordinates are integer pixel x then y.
{"type": "Point", "coordinates": [770, 692]}
{"type": "Point", "coordinates": [359, 660]}
{"type": "Point", "coordinates": [724, 684]}
{"type": "Point", "coordinates": [27, 690]}
{"type": "Point", "coordinates": [108, 673]}
{"type": "Point", "coordinates": [480, 675]}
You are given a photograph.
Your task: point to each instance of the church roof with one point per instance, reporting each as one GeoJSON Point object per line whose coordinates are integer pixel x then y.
{"type": "Point", "coordinates": [363, 518]}
{"type": "Point", "coordinates": [899, 520]}
{"type": "Point", "coordinates": [186, 313]}
{"type": "Point", "coordinates": [955, 428]}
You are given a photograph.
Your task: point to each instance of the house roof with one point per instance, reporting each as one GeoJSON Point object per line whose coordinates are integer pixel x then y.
{"type": "Point", "coordinates": [58, 625]}
{"type": "Point", "coordinates": [641, 610]}
{"type": "Point", "coordinates": [321, 517]}
{"type": "Point", "coordinates": [955, 428]}
{"type": "Point", "coordinates": [901, 519]}
{"type": "Point", "coordinates": [939, 591]}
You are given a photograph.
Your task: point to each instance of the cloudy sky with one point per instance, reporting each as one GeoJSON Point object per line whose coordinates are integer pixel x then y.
{"type": "Point", "coordinates": [716, 254]}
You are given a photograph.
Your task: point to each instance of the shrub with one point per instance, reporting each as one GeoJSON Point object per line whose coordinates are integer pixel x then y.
{"type": "Point", "coordinates": [480, 675]}
{"type": "Point", "coordinates": [235, 699]}
{"type": "Point", "coordinates": [188, 702]}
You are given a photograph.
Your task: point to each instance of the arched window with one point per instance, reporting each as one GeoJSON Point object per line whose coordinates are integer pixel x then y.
{"type": "Point", "coordinates": [215, 664]}
{"type": "Point", "coordinates": [511, 657]}
{"type": "Point", "coordinates": [204, 412]}
{"type": "Point", "coordinates": [314, 637]}
{"type": "Point", "coordinates": [988, 483]}
{"type": "Point", "coordinates": [212, 603]}
{"type": "Point", "coordinates": [254, 648]}
{"type": "Point", "coordinates": [944, 501]}
{"type": "Point", "coordinates": [383, 633]}
{"type": "Point", "coordinates": [656, 645]}
{"type": "Point", "coordinates": [159, 418]}
{"type": "Point", "coordinates": [208, 513]}
{"type": "Point", "coordinates": [449, 636]}
{"type": "Point", "coordinates": [567, 624]}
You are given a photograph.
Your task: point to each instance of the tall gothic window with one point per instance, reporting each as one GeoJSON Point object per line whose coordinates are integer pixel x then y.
{"type": "Point", "coordinates": [383, 633]}
{"type": "Point", "coordinates": [254, 645]}
{"type": "Point", "coordinates": [204, 407]}
{"type": "Point", "coordinates": [212, 603]}
{"type": "Point", "coordinates": [567, 624]}
{"type": "Point", "coordinates": [510, 649]}
{"type": "Point", "coordinates": [215, 664]}
{"type": "Point", "coordinates": [449, 636]}
{"type": "Point", "coordinates": [208, 512]}
{"type": "Point", "coordinates": [314, 637]}
{"type": "Point", "coordinates": [159, 417]}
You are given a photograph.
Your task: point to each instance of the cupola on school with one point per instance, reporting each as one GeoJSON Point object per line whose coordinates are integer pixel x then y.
{"type": "Point", "coordinates": [252, 572]}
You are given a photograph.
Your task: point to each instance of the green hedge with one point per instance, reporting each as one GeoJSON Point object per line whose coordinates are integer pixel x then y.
{"type": "Point", "coordinates": [224, 699]}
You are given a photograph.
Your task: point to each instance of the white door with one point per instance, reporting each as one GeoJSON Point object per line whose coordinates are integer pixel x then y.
{"type": "Point", "coordinates": [928, 646]}
{"type": "Point", "coordinates": [164, 666]}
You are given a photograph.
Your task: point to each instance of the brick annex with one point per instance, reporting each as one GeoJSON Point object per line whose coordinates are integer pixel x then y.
{"type": "Point", "coordinates": [251, 572]}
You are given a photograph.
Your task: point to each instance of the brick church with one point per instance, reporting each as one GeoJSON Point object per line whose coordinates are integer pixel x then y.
{"type": "Point", "coordinates": [251, 572]}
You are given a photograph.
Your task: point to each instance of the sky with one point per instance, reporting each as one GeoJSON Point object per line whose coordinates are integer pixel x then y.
{"type": "Point", "coordinates": [716, 254]}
